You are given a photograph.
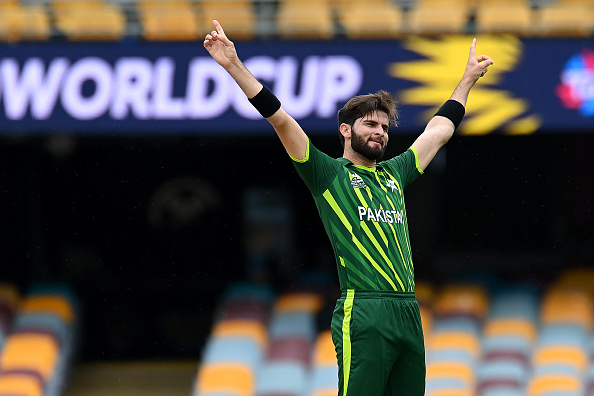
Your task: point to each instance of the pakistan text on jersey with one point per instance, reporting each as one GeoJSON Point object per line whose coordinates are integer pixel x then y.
{"type": "Point", "coordinates": [380, 215]}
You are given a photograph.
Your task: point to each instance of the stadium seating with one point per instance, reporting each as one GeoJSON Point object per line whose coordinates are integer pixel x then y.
{"type": "Point", "coordinates": [166, 20]}
{"type": "Point", "coordinates": [237, 16]}
{"type": "Point", "coordinates": [503, 340]}
{"type": "Point", "coordinates": [305, 19]}
{"type": "Point", "coordinates": [23, 21]}
{"type": "Point", "coordinates": [355, 17]}
{"type": "Point", "coordinates": [565, 18]}
{"type": "Point", "coordinates": [324, 370]}
{"type": "Point", "coordinates": [89, 19]}
{"type": "Point", "coordinates": [38, 351]}
{"type": "Point", "coordinates": [507, 16]}
{"type": "Point", "coordinates": [238, 342]}
{"type": "Point", "coordinates": [169, 20]}
{"type": "Point", "coordinates": [438, 17]}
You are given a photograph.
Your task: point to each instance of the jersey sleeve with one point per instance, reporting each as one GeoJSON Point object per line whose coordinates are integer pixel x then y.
{"type": "Point", "coordinates": [317, 169]}
{"type": "Point", "coordinates": [406, 165]}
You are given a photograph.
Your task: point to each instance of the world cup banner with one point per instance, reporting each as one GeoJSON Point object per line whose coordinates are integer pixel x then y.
{"type": "Point", "coordinates": [534, 86]}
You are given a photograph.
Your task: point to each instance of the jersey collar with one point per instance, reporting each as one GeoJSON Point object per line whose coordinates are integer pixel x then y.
{"type": "Point", "coordinates": [346, 162]}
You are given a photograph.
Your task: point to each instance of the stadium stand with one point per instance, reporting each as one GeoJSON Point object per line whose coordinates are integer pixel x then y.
{"type": "Point", "coordinates": [238, 343]}
{"type": "Point", "coordinates": [565, 18]}
{"type": "Point", "coordinates": [507, 16]}
{"type": "Point", "coordinates": [89, 19]}
{"type": "Point", "coordinates": [40, 343]}
{"type": "Point", "coordinates": [498, 339]}
{"type": "Point", "coordinates": [237, 16]}
{"type": "Point", "coordinates": [305, 19]}
{"type": "Point", "coordinates": [23, 21]}
{"type": "Point", "coordinates": [171, 20]}
{"type": "Point", "coordinates": [355, 17]}
{"type": "Point", "coordinates": [178, 20]}
{"type": "Point", "coordinates": [438, 17]}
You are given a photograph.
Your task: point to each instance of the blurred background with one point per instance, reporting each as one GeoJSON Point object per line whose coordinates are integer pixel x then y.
{"type": "Point", "coordinates": [149, 214]}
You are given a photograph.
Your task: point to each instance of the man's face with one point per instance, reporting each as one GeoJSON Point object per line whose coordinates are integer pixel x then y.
{"type": "Point", "coordinates": [369, 135]}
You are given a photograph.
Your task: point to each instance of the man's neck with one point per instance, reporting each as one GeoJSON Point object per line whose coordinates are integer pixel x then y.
{"type": "Point", "coordinates": [358, 159]}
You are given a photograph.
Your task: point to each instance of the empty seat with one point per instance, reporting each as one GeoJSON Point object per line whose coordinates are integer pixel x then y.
{"type": "Point", "coordinates": [281, 378]}
{"type": "Point", "coordinates": [23, 21]}
{"type": "Point", "coordinates": [504, 17]}
{"type": "Point", "coordinates": [89, 19]}
{"type": "Point", "coordinates": [290, 349]}
{"type": "Point", "coordinates": [294, 324]}
{"type": "Point", "coordinates": [42, 323]}
{"type": "Point", "coordinates": [248, 309]}
{"type": "Point", "coordinates": [19, 384]}
{"type": "Point", "coordinates": [502, 373]}
{"type": "Point", "coordinates": [30, 352]}
{"type": "Point", "coordinates": [49, 304]}
{"type": "Point", "coordinates": [579, 278]}
{"type": "Point", "coordinates": [455, 341]}
{"type": "Point", "coordinates": [324, 353]}
{"type": "Point", "coordinates": [511, 327]}
{"type": "Point", "coordinates": [219, 378]}
{"type": "Point", "coordinates": [169, 20]}
{"type": "Point", "coordinates": [370, 18]}
{"type": "Point", "coordinates": [302, 302]}
{"type": "Point", "coordinates": [567, 306]}
{"type": "Point", "coordinates": [444, 370]}
{"type": "Point", "coordinates": [543, 385]}
{"type": "Point", "coordinates": [305, 19]}
{"type": "Point", "coordinates": [570, 334]}
{"type": "Point", "coordinates": [438, 16]}
{"type": "Point", "coordinates": [253, 329]}
{"type": "Point", "coordinates": [236, 16]}
{"type": "Point", "coordinates": [507, 347]}
{"type": "Point", "coordinates": [462, 300]}
{"type": "Point", "coordinates": [573, 19]}
{"type": "Point", "coordinates": [239, 350]}
{"type": "Point", "coordinates": [516, 302]}
{"type": "Point", "coordinates": [563, 354]}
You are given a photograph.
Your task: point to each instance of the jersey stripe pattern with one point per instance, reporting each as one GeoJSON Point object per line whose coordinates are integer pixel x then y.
{"type": "Point", "coordinates": [364, 215]}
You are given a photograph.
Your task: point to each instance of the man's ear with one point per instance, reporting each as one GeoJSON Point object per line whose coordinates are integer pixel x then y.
{"type": "Point", "coordinates": [345, 130]}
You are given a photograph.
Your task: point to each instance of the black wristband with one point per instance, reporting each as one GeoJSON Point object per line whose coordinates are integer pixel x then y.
{"type": "Point", "coordinates": [453, 110]}
{"type": "Point", "coordinates": [265, 102]}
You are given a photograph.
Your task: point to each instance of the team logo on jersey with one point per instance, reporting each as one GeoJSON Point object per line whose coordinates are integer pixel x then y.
{"type": "Point", "coordinates": [357, 182]}
{"type": "Point", "coordinates": [392, 185]}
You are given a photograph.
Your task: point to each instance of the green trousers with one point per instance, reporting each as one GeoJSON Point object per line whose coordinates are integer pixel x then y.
{"type": "Point", "coordinates": [379, 344]}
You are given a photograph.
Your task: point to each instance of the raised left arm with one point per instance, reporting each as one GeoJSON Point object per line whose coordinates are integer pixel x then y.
{"type": "Point", "coordinates": [442, 126]}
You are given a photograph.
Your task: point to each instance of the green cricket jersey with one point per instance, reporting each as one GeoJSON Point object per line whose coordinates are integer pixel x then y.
{"type": "Point", "coordinates": [364, 215]}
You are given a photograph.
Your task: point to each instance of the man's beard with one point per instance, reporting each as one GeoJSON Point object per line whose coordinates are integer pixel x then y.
{"type": "Point", "coordinates": [361, 146]}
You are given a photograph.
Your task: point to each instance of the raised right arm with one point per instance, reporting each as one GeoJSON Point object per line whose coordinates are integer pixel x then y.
{"type": "Point", "coordinates": [223, 52]}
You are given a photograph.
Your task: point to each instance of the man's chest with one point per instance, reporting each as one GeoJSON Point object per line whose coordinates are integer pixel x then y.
{"type": "Point", "coordinates": [378, 193]}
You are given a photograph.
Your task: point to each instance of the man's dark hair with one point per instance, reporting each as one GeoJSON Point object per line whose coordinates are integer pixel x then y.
{"type": "Point", "coordinates": [364, 105]}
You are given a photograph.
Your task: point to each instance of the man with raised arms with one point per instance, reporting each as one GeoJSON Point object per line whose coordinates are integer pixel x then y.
{"type": "Point", "coordinates": [376, 325]}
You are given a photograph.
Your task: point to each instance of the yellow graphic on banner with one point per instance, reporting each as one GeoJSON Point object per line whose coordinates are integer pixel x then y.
{"type": "Point", "coordinates": [488, 108]}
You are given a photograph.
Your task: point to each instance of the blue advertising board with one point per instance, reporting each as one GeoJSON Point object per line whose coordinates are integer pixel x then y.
{"type": "Point", "coordinates": [534, 86]}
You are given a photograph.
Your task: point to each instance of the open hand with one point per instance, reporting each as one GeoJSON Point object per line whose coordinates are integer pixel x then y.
{"type": "Point", "coordinates": [219, 46]}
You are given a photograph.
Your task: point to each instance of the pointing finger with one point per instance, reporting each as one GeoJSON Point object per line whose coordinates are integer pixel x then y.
{"type": "Point", "coordinates": [221, 33]}
{"type": "Point", "coordinates": [473, 48]}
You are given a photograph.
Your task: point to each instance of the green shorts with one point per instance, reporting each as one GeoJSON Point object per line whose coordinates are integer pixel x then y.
{"type": "Point", "coordinates": [379, 344]}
